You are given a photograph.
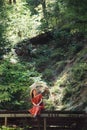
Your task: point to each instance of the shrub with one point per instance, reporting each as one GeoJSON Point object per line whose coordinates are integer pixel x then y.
{"type": "Point", "coordinates": [15, 80]}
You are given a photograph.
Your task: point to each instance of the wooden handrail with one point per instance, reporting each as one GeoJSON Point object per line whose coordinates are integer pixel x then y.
{"type": "Point", "coordinates": [54, 112]}
{"type": "Point", "coordinates": [47, 117]}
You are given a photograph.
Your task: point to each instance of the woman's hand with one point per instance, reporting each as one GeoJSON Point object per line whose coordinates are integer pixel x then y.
{"type": "Point", "coordinates": [39, 102]}
{"type": "Point", "coordinates": [34, 104]}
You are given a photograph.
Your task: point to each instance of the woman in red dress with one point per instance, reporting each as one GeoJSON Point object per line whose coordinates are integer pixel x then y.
{"type": "Point", "coordinates": [37, 102]}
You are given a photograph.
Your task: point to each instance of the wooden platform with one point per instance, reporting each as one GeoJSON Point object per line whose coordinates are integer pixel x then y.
{"type": "Point", "coordinates": [48, 120]}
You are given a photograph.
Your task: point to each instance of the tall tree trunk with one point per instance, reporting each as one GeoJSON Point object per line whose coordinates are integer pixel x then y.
{"type": "Point", "coordinates": [10, 1]}
{"type": "Point", "coordinates": [44, 11]}
{"type": "Point", "coordinates": [44, 7]}
{"type": "Point", "coordinates": [14, 1]}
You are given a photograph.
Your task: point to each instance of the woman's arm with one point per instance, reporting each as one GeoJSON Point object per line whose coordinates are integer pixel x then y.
{"type": "Point", "coordinates": [34, 104]}
{"type": "Point", "coordinates": [38, 103]}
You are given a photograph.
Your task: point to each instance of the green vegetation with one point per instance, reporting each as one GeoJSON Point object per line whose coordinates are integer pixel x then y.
{"type": "Point", "coordinates": [9, 128]}
{"type": "Point", "coordinates": [14, 84]}
{"type": "Point", "coordinates": [61, 61]}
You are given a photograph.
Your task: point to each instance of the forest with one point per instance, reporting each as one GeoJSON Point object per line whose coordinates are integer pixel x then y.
{"type": "Point", "coordinates": [43, 41]}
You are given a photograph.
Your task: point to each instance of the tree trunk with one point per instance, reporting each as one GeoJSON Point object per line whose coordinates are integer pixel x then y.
{"type": "Point", "coordinates": [10, 1]}
{"type": "Point", "coordinates": [14, 1]}
{"type": "Point", "coordinates": [44, 8]}
{"type": "Point", "coordinates": [44, 12]}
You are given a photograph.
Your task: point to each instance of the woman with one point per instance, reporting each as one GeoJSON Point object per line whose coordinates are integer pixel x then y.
{"type": "Point", "coordinates": [36, 99]}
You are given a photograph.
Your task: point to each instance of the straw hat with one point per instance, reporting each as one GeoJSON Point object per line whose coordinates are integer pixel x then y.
{"type": "Point", "coordinates": [39, 86]}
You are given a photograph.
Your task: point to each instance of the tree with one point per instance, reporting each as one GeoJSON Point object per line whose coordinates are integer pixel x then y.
{"type": "Point", "coordinates": [4, 43]}
{"type": "Point", "coordinates": [76, 11]}
{"type": "Point", "coordinates": [12, 1]}
{"type": "Point", "coordinates": [35, 3]}
{"type": "Point", "coordinates": [15, 79]}
{"type": "Point", "coordinates": [44, 8]}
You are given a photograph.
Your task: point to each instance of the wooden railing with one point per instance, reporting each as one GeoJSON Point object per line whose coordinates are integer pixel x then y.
{"type": "Point", "coordinates": [48, 120]}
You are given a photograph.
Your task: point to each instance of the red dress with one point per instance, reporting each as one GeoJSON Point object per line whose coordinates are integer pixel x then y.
{"type": "Point", "coordinates": [36, 109]}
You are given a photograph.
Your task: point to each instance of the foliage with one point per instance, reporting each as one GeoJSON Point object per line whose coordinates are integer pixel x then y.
{"type": "Point", "coordinates": [9, 128]}
{"type": "Point", "coordinates": [49, 105]}
{"type": "Point", "coordinates": [58, 54]}
{"type": "Point", "coordinates": [79, 71]}
{"type": "Point", "coordinates": [16, 23]}
{"type": "Point", "coordinates": [5, 45]}
{"type": "Point", "coordinates": [15, 80]}
{"type": "Point", "coordinates": [27, 18]}
{"type": "Point", "coordinates": [76, 82]}
{"type": "Point", "coordinates": [32, 5]}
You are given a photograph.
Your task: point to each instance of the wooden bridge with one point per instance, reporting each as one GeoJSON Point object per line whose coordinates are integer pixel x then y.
{"type": "Point", "coordinates": [48, 120]}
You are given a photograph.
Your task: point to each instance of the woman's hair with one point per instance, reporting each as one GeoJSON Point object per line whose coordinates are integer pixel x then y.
{"type": "Point", "coordinates": [31, 92]}
{"type": "Point", "coordinates": [37, 88]}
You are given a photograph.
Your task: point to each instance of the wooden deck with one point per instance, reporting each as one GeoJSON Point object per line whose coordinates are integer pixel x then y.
{"type": "Point", "coordinates": [48, 120]}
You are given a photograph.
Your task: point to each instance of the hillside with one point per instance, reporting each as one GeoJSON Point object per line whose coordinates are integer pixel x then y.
{"type": "Point", "coordinates": [62, 63]}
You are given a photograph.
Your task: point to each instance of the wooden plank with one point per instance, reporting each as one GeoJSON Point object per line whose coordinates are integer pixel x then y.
{"type": "Point", "coordinates": [42, 115]}
{"type": "Point", "coordinates": [46, 112]}
{"type": "Point", "coordinates": [15, 115]}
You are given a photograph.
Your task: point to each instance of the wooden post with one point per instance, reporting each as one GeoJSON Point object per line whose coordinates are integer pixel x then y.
{"type": "Point", "coordinates": [38, 123]}
{"type": "Point", "coordinates": [5, 121]}
{"type": "Point", "coordinates": [44, 123]}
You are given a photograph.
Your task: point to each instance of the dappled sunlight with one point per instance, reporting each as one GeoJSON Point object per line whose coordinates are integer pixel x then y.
{"type": "Point", "coordinates": [57, 91]}
{"type": "Point", "coordinates": [20, 25]}
{"type": "Point", "coordinates": [61, 79]}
